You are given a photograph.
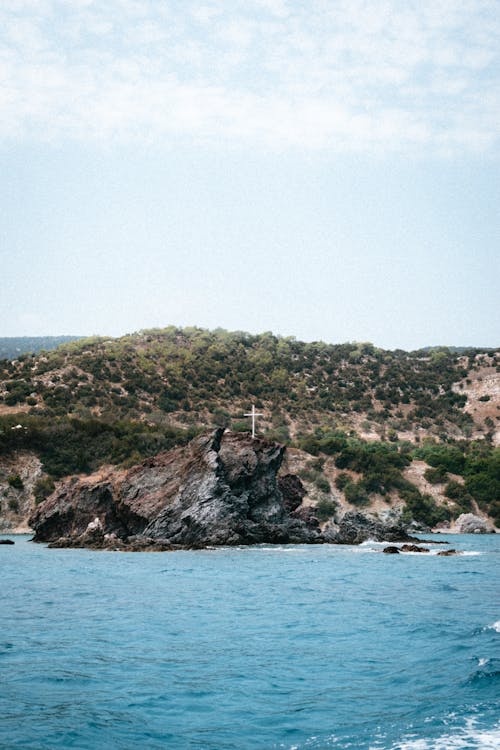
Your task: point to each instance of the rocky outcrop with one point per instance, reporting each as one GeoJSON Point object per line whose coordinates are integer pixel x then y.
{"type": "Point", "coordinates": [354, 528]}
{"type": "Point", "coordinates": [468, 523]}
{"type": "Point", "coordinates": [221, 489]}
{"type": "Point", "coordinates": [17, 500]}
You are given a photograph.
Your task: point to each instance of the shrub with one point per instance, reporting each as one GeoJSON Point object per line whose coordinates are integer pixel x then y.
{"type": "Point", "coordinates": [325, 509]}
{"type": "Point", "coordinates": [16, 482]}
{"type": "Point", "coordinates": [322, 483]}
{"type": "Point", "coordinates": [356, 494]}
{"type": "Point", "coordinates": [445, 457]}
{"type": "Point", "coordinates": [458, 493]}
{"type": "Point", "coordinates": [436, 475]}
{"type": "Point", "coordinates": [43, 488]}
{"type": "Point", "coordinates": [342, 480]}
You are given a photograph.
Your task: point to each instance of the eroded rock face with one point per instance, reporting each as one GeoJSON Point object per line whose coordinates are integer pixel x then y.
{"type": "Point", "coordinates": [355, 528]}
{"type": "Point", "coordinates": [221, 489]}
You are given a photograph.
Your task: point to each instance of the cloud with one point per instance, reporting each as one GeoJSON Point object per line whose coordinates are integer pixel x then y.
{"type": "Point", "coordinates": [341, 76]}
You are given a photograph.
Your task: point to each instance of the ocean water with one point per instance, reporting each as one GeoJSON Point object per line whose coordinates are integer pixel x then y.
{"type": "Point", "coordinates": [286, 648]}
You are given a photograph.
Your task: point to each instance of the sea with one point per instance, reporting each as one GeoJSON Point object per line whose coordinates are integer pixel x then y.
{"type": "Point", "coordinates": [252, 648]}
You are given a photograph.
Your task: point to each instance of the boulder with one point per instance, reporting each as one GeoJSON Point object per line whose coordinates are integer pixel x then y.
{"type": "Point", "coordinates": [468, 523]}
{"type": "Point", "coordinates": [391, 550]}
{"type": "Point", "coordinates": [413, 548]}
{"type": "Point", "coordinates": [6, 541]}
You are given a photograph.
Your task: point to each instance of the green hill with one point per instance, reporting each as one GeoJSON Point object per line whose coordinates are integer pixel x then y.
{"type": "Point", "coordinates": [92, 401]}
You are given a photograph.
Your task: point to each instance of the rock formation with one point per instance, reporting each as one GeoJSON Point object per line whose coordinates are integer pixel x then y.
{"type": "Point", "coordinates": [354, 528]}
{"type": "Point", "coordinates": [221, 489]}
{"type": "Point", "coordinates": [468, 523]}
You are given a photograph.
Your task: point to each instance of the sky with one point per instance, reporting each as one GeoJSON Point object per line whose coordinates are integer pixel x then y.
{"type": "Point", "coordinates": [326, 169]}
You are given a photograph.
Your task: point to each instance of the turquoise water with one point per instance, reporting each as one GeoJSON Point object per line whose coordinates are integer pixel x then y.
{"type": "Point", "coordinates": [234, 649]}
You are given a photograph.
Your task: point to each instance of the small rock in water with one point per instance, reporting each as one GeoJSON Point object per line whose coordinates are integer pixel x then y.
{"type": "Point", "coordinates": [6, 541]}
{"type": "Point", "coordinates": [413, 548]}
{"type": "Point", "coordinates": [448, 553]}
{"type": "Point", "coordinates": [391, 550]}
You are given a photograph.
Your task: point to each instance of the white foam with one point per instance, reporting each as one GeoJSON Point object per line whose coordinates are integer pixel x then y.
{"type": "Point", "coordinates": [495, 626]}
{"type": "Point", "coordinates": [471, 553]}
{"type": "Point", "coordinates": [468, 738]}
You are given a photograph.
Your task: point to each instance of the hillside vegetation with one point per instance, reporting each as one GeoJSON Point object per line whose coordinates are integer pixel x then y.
{"type": "Point", "coordinates": [104, 400]}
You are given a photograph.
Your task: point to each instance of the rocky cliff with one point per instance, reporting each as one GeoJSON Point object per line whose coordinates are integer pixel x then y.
{"type": "Point", "coordinates": [221, 489]}
{"type": "Point", "coordinates": [19, 474]}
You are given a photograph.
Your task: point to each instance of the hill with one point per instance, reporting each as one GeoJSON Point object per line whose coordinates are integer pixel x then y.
{"type": "Point", "coordinates": [363, 413]}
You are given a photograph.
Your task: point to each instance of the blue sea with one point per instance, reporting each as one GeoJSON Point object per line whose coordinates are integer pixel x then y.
{"type": "Point", "coordinates": [286, 648]}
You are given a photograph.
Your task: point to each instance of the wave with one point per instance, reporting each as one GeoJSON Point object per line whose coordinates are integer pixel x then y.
{"type": "Point", "coordinates": [495, 626]}
{"type": "Point", "coordinates": [469, 738]}
{"type": "Point", "coordinates": [483, 676]}
{"type": "Point", "coordinates": [471, 553]}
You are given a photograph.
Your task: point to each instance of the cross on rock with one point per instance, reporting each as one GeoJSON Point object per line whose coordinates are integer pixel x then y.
{"type": "Point", "coordinates": [253, 414]}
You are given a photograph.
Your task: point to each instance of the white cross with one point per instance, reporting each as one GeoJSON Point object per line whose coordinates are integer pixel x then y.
{"type": "Point", "coordinates": [253, 414]}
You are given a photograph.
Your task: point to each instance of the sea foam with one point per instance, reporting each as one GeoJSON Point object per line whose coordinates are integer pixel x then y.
{"type": "Point", "coordinates": [468, 738]}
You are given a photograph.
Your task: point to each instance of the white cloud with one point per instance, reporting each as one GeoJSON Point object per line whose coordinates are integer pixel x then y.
{"type": "Point", "coordinates": [351, 74]}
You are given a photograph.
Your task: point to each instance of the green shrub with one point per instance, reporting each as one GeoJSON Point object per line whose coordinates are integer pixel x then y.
{"type": "Point", "coordinates": [422, 508]}
{"type": "Point", "coordinates": [446, 457]}
{"type": "Point", "coordinates": [325, 509]}
{"type": "Point", "coordinates": [16, 482]}
{"type": "Point", "coordinates": [356, 494]}
{"type": "Point", "coordinates": [70, 446]}
{"type": "Point", "coordinates": [458, 493]}
{"type": "Point", "coordinates": [322, 483]}
{"type": "Point", "coordinates": [342, 480]}
{"type": "Point", "coordinates": [436, 475]}
{"type": "Point", "coordinates": [43, 488]}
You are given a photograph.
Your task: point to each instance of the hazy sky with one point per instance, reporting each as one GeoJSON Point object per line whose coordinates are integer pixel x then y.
{"type": "Point", "coordinates": [326, 169]}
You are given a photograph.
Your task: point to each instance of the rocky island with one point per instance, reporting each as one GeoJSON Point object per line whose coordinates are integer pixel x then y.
{"type": "Point", "coordinates": [221, 489]}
